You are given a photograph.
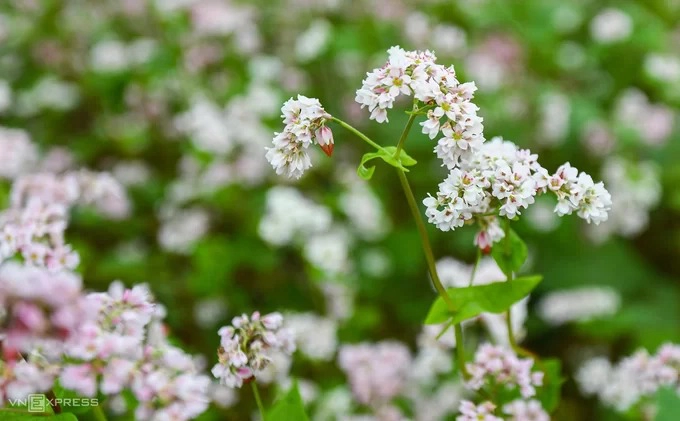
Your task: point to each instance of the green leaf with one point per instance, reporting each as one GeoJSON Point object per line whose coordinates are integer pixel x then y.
{"type": "Point", "coordinates": [510, 254]}
{"type": "Point", "coordinates": [668, 403]}
{"type": "Point", "coordinates": [362, 171]}
{"type": "Point", "coordinates": [471, 301]}
{"type": "Point", "coordinates": [68, 398]}
{"type": "Point", "coordinates": [404, 158]}
{"type": "Point", "coordinates": [387, 155]}
{"type": "Point", "coordinates": [549, 393]}
{"type": "Point", "coordinates": [289, 407]}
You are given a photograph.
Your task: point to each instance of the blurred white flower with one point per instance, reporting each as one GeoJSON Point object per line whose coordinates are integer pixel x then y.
{"type": "Point", "coordinates": [182, 228]}
{"type": "Point", "coordinates": [315, 336]}
{"type": "Point", "coordinates": [311, 43]}
{"type": "Point", "coordinates": [665, 68]}
{"type": "Point", "coordinates": [578, 304]}
{"type": "Point", "coordinates": [611, 25]}
{"type": "Point", "coordinates": [555, 112]}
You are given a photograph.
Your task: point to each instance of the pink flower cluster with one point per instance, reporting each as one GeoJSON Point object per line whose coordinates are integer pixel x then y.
{"type": "Point", "coordinates": [40, 310]}
{"type": "Point", "coordinates": [19, 378]}
{"type": "Point", "coordinates": [417, 73]}
{"type": "Point", "coordinates": [121, 348]}
{"type": "Point", "coordinates": [84, 187]}
{"type": "Point", "coordinates": [36, 232]}
{"type": "Point", "coordinates": [245, 347]}
{"type": "Point", "coordinates": [377, 372]}
{"type": "Point", "coordinates": [305, 121]}
{"type": "Point", "coordinates": [482, 412]}
{"type": "Point", "coordinates": [495, 365]}
{"type": "Point", "coordinates": [521, 410]}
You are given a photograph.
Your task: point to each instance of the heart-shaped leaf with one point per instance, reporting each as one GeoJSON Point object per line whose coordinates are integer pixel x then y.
{"type": "Point", "coordinates": [471, 301]}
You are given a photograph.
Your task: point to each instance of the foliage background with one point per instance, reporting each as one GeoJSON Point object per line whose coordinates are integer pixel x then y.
{"type": "Point", "coordinates": [231, 263]}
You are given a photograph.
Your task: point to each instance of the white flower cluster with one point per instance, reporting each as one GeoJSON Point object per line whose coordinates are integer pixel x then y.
{"type": "Point", "coordinates": [305, 121]}
{"type": "Point", "coordinates": [517, 410]}
{"type": "Point", "coordinates": [635, 377]}
{"type": "Point", "coordinates": [315, 336]}
{"type": "Point", "coordinates": [245, 347]}
{"type": "Point", "coordinates": [501, 178]}
{"type": "Point", "coordinates": [289, 215]}
{"type": "Point", "coordinates": [636, 189]}
{"type": "Point", "coordinates": [416, 73]}
{"type": "Point", "coordinates": [578, 304]}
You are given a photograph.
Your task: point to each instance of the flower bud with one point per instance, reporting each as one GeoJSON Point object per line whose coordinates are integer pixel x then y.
{"type": "Point", "coordinates": [324, 136]}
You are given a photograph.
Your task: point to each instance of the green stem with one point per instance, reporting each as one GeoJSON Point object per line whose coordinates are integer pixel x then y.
{"type": "Point", "coordinates": [474, 268]}
{"type": "Point", "coordinates": [404, 134]}
{"type": "Point", "coordinates": [432, 267]}
{"type": "Point", "coordinates": [258, 400]}
{"type": "Point", "coordinates": [357, 132]}
{"type": "Point", "coordinates": [98, 413]}
{"type": "Point", "coordinates": [422, 231]}
{"type": "Point", "coordinates": [508, 314]}
{"type": "Point", "coordinates": [52, 399]}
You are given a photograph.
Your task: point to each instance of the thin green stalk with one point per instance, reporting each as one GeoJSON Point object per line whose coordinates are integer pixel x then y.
{"type": "Point", "coordinates": [474, 268]}
{"type": "Point", "coordinates": [98, 413]}
{"type": "Point", "coordinates": [425, 240]}
{"type": "Point", "coordinates": [432, 267]}
{"type": "Point", "coordinates": [357, 132]}
{"type": "Point", "coordinates": [508, 314]}
{"type": "Point", "coordinates": [404, 135]}
{"type": "Point", "coordinates": [258, 400]}
{"type": "Point", "coordinates": [52, 399]}
{"type": "Point", "coordinates": [422, 231]}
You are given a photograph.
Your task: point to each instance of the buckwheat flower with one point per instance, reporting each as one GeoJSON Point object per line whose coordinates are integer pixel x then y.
{"type": "Point", "coordinates": [578, 304]}
{"type": "Point", "coordinates": [168, 385]}
{"type": "Point", "coordinates": [181, 229]}
{"type": "Point", "coordinates": [416, 73]}
{"type": "Point", "coordinates": [377, 372]}
{"type": "Point", "coordinates": [554, 122]}
{"type": "Point", "coordinates": [315, 336]}
{"type": "Point", "coordinates": [611, 25]}
{"type": "Point", "coordinates": [495, 365]}
{"type": "Point", "coordinates": [329, 251]}
{"type": "Point", "coordinates": [521, 410]}
{"type": "Point", "coordinates": [665, 68]}
{"type": "Point", "coordinates": [577, 192]}
{"type": "Point", "coordinates": [84, 187]}
{"type": "Point", "coordinates": [20, 378]}
{"type": "Point", "coordinates": [244, 346]}
{"type": "Point", "coordinates": [655, 128]}
{"type": "Point", "coordinates": [633, 379]}
{"type": "Point", "coordinates": [17, 153]}
{"type": "Point", "coordinates": [304, 120]}
{"type": "Point", "coordinates": [635, 188]}
{"type": "Point", "coordinates": [364, 210]}
{"type": "Point", "coordinates": [490, 233]}
{"type": "Point", "coordinates": [42, 309]}
{"type": "Point", "coordinates": [482, 412]}
{"type": "Point", "coordinates": [593, 375]}
{"type": "Point", "coordinates": [290, 216]}
{"type": "Point", "coordinates": [339, 299]}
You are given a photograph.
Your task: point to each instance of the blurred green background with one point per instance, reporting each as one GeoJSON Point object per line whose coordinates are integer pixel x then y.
{"type": "Point", "coordinates": [179, 98]}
